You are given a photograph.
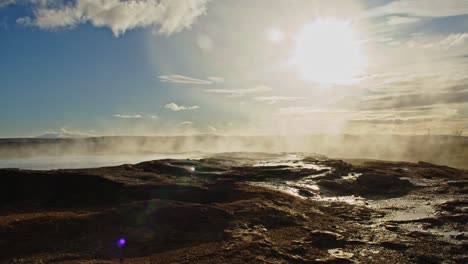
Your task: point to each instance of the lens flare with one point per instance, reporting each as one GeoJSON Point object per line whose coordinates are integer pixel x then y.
{"type": "Point", "coordinates": [121, 242]}
{"type": "Point", "coordinates": [328, 51]}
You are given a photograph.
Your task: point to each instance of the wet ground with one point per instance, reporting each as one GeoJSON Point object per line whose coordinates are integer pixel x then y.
{"type": "Point", "coordinates": [236, 208]}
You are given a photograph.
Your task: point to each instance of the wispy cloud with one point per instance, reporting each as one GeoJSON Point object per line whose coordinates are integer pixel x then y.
{"type": "Point", "coordinates": [415, 99]}
{"type": "Point", "coordinates": [216, 79]}
{"type": "Point", "coordinates": [454, 40]}
{"type": "Point", "coordinates": [411, 115]}
{"type": "Point", "coordinates": [175, 107]}
{"type": "Point", "coordinates": [128, 116]}
{"type": "Point", "coordinates": [276, 99]}
{"type": "Point", "coordinates": [175, 78]}
{"type": "Point", "coordinates": [118, 15]}
{"type": "Point", "coordinates": [397, 20]}
{"type": "Point", "coordinates": [309, 111]}
{"type": "Point", "coordinates": [424, 8]}
{"type": "Point", "coordinates": [241, 92]}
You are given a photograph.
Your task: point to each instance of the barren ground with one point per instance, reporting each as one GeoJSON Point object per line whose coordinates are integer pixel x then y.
{"type": "Point", "coordinates": [236, 208]}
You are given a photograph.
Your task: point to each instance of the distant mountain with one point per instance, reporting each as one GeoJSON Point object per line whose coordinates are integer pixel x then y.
{"type": "Point", "coordinates": [64, 133]}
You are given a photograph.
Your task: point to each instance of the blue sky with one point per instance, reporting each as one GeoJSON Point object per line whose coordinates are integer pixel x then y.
{"type": "Point", "coordinates": [115, 67]}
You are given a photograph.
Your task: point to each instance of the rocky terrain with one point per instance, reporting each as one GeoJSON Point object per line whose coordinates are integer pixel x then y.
{"type": "Point", "coordinates": [237, 208]}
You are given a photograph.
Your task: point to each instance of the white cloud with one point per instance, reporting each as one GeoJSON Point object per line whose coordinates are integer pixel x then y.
{"type": "Point", "coordinates": [66, 133]}
{"type": "Point", "coordinates": [212, 129]}
{"type": "Point", "coordinates": [241, 92]}
{"type": "Point", "coordinates": [119, 15]}
{"type": "Point", "coordinates": [454, 40]}
{"type": "Point", "coordinates": [424, 8]}
{"type": "Point", "coordinates": [175, 107]}
{"type": "Point", "coordinates": [24, 20]}
{"type": "Point", "coordinates": [186, 123]}
{"type": "Point", "coordinates": [128, 116]}
{"type": "Point", "coordinates": [451, 41]}
{"type": "Point", "coordinates": [397, 20]}
{"type": "Point", "coordinates": [205, 43]}
{"type": "Point", "coordinates": [216, 79]}
{"type": "Point", "coordinates": [4, 3]}
{"type": "Point", "coordinates": [175, 78]}
{"type": "Point", "coordinates": [275, 99]}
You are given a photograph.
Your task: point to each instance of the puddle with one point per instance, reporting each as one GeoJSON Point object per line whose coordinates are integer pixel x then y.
{"type": "Point", "coordinates": [421, 182]}
{"type": "Point", "coordinates": [404, 208]}
{"type": "Point", "coordinates": [292, 164]}
{"type": "Point", "coordinates": [305, 185]}
{"type": "Point", "coordinates": [443, 233]}
{"type": "Point", "coordinates": [278, 186]}
{"type": "Point", "coordinates": [351, 199]}
{"type": "Point", "coordinates": [408, 208]}
{"type": "Point", "coordinates": [303, 188]}
{"type": "Point", "coordinates": [411, 214]}
{"type": "Point", "coordinates": [294, 161]}
{"type": "Point", "coordinates": [408, 211]}
{"type": "Point", "coordinates": [308, 190]}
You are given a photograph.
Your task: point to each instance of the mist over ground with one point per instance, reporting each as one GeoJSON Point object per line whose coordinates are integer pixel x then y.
{"type": "Point", "coordinates": [443, 150]}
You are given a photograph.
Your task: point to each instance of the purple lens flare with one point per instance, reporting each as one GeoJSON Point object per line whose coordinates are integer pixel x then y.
{"type": "Point", "coordinates": [121, 242]}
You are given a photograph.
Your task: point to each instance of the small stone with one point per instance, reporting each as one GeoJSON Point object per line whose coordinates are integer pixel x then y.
{"type": "Point", "coordinates": [338, 253]}
{"type": "Point", "coordinates": [326, 239]}
{"type": "Point", "coordinates": [391, 227]}
{"type": "Point", "coordinates": [395, 245]}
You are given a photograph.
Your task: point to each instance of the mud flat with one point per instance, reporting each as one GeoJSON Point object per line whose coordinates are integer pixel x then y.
{"type": "Point", "coordinates": [236, 208]}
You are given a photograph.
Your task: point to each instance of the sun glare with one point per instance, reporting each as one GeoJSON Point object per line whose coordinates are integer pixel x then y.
{"type": "Point", "coordinates": [328, 51]}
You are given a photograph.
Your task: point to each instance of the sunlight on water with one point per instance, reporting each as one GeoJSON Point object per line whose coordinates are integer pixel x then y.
{"type": "Point", "coordinates": [311, 190]}
{"type": "Point", "coordinates": [294, 161]}
{"type": "Point", "coordinates": [294, 164]}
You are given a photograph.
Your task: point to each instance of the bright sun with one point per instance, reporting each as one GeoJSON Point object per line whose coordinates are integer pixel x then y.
{"type": "Point", "coordinates": [328, 51]}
